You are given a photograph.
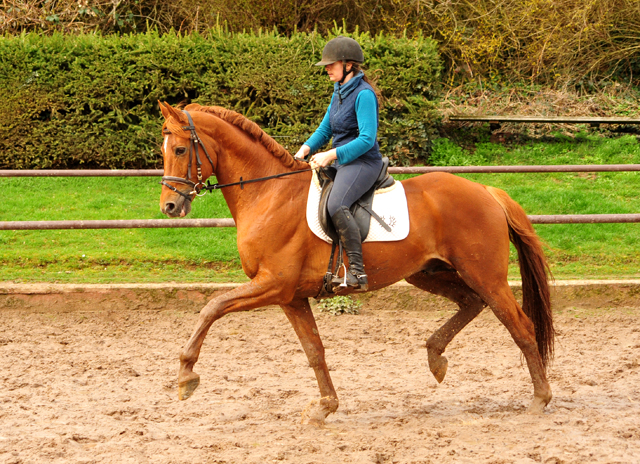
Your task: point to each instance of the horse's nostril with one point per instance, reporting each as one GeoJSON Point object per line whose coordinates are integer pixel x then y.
{"type": "Point", "coordinates": [169, 207]}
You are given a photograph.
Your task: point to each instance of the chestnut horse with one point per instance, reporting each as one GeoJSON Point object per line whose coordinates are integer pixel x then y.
{"type": "Point", "coordinates": [457, 247]}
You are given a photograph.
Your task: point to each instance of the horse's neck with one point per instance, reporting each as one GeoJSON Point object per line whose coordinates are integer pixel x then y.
{"type": "Point", "coordinates": [240, 156]}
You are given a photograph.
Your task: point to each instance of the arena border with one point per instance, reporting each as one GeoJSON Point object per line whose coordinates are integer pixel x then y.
{"type": "Point", "coordinates": [49, 297]}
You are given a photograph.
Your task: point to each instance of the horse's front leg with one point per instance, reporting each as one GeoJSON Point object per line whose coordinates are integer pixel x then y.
{"type": "Point", "coordinates": [301, 317]}
{"type": "Point", "coordinates": [251, 295]}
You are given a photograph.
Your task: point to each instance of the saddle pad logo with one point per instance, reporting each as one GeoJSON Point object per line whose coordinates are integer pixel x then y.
{"type": "Point", "coordinates": [390, 204]}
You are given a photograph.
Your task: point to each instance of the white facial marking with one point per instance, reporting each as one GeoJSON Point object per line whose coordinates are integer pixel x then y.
{"type": "Point", "coordinates": [166, 141]}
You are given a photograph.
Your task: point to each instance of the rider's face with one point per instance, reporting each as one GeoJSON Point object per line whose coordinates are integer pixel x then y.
{"type": "Point", "coordinates": [335, 70]}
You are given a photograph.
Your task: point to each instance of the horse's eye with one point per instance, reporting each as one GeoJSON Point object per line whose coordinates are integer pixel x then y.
{"type": "Point", "coordinates": [180, 150]}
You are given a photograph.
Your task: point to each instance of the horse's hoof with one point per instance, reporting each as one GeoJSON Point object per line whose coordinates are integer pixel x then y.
{"type": "Point", "coordinates": [538, 405]}
{"type": "Point", "coordinates": [186, 388]}
{"type": "Point", "coordinates": [317, 422]}
{"type": "Point", "coordinates": [313, 414]}
{"type": "Point", "coordinates": [317, 410]}
{"type": "Point", "coordinates": [438, 365]}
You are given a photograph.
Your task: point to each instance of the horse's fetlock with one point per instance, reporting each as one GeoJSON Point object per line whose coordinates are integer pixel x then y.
{"type": "Point", "coordinates": [186, 360]}
{"type": "Point", "coordinates": [432, 348]}
{"type": "Point", "coordinates": [331, 403]}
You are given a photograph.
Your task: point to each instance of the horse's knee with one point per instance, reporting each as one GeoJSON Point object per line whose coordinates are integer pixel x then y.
{"type": "Point", "coordinates": [316, 360]}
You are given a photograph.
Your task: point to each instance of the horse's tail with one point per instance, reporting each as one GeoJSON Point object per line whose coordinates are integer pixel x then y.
{"type": "Point", "coordinates": [534, 271]}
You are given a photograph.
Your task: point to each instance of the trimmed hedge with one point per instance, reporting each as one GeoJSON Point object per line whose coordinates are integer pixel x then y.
{"type": "Point", "coordinates": [90, 101]}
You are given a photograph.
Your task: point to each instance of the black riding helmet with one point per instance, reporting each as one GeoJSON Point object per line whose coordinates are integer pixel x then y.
{"type": "Point", "coordinates": [341, 49]}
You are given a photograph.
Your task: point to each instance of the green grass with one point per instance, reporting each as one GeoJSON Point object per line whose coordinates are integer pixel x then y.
{"type": "Point", "coordinates": [116, 255]}
{"type": "Point", "coordinates": [210, 255]}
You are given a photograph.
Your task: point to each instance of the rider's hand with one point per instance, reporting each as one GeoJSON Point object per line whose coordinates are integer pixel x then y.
{"type": "Point", "coordinates": [323, 159]}
{"type": "Point", "coordinates": [303, 152]}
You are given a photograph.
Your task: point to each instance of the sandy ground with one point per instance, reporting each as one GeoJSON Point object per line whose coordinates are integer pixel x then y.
{"type": "Point", "coordinates": [86, 386]}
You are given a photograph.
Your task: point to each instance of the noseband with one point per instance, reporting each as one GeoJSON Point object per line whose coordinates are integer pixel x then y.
{"type": "Point", "coordinates": [193, 145]}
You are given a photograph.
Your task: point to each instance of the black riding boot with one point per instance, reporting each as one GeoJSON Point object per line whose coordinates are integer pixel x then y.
{"type": "Point", "coordinates": [349, 235]}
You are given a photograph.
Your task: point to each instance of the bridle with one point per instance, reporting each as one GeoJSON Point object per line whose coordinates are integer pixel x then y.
{"type": "Point", "coordinates": [200, 185]}
{"type": "Point", "coordinates": [195, 142]}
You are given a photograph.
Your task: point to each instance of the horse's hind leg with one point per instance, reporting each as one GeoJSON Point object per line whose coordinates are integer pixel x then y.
{"type": "Point", "coordinates": [301, 318]}
{"type": "Point", "coordinates": [506, 309]}
{"type": "Point", "coordinates": [448, 284]}
{"type": "Point", "coordinates": [509, 312]}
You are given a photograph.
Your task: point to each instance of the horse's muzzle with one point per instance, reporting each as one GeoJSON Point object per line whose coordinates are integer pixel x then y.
{"type": "Point", "coordinates": [178, 208]}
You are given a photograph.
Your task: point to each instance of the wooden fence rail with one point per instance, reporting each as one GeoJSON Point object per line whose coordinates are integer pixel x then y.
{"type": "Point", "coordinates": [228, 222]}
{"type": "Point", "coordinates": [392, 170]}
{"type": "Point", "coordinates": [495, 120]}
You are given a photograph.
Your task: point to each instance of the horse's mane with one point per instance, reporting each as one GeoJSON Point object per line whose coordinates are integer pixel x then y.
{"type": "Point", "coordinates": [250, 128]}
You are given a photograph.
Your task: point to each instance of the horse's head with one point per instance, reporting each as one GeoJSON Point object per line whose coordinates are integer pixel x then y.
{"type": "Point", "coordinates": [187, 161]}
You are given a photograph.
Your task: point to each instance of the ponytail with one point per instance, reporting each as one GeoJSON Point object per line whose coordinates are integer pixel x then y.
{"type": "Point", "coordinates": [357, 67]}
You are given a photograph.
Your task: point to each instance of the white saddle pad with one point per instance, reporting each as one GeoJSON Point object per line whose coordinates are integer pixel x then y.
{"type": "Point", "coordinates": [390, 204]}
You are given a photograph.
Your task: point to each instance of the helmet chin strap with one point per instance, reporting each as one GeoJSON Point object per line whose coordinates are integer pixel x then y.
{"type": "Point", "coordinates": [344, 76]}
{"type": "Point", "coordinates": [345, 72]}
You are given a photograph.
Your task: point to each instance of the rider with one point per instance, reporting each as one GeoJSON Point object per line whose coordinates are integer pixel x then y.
{"type": "Point", "coordinates": [352, 121]}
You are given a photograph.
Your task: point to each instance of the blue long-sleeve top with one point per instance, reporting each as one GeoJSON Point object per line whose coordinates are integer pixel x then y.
{"type": "Point", "coordinates": [366, 111]}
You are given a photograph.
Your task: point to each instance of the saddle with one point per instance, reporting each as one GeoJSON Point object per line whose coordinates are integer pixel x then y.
{"type": "Point", "coordinates": [361, 209]}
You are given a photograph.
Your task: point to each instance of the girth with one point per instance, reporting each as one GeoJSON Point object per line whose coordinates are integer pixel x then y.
{"type": "Point", "coordinates": [361, 209]}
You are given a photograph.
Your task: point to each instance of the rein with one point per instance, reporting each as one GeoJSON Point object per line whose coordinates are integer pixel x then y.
{"type": "Point", "coordinates": [210, 187]}
{"type": "Point", "coordinates": [200, 185]}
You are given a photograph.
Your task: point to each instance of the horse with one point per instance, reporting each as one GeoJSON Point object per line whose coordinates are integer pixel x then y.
{"type": "Point", "coordinates": [457, 247]}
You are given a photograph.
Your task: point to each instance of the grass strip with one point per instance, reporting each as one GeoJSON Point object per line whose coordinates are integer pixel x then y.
{"type": "Point", "coordinates": [210, 255]}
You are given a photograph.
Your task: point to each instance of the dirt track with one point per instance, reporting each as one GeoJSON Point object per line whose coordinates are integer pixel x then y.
{"type": "Point", "coordinates": [86, 387]}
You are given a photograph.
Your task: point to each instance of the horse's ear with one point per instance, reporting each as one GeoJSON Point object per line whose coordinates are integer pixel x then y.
{"type": "Point", "coordinates": [165, 108]}
{"type": "Point", "coordinates": [169, 111]}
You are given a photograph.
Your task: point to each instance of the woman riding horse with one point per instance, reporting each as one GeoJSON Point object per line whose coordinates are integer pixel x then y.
{"type": "Point", "coordinates": [352, 121]}
{"type": "Point", "coordinates": [457, 246]}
